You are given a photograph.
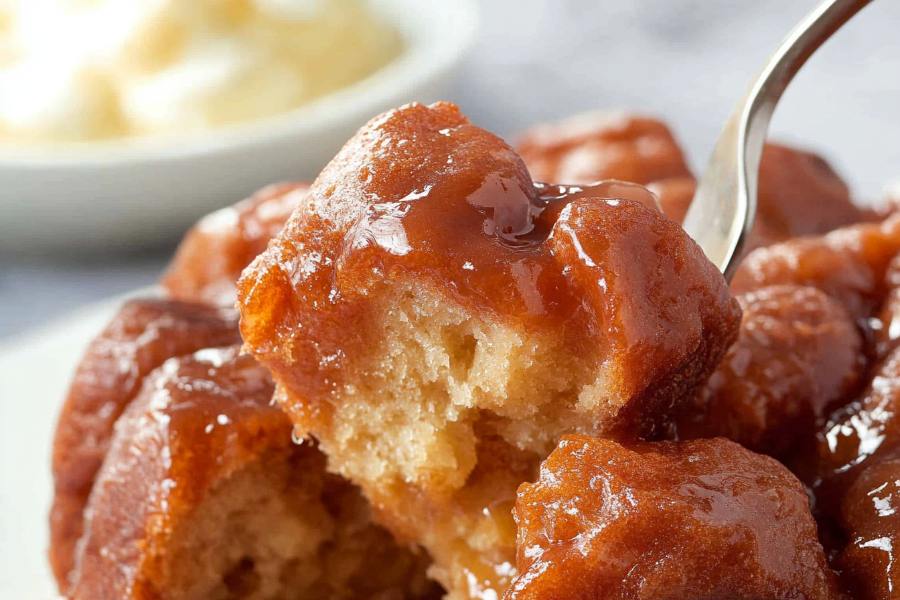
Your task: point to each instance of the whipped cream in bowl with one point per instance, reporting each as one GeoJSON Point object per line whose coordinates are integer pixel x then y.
{"type": "Point", "coordinates": [84, 70]}
{"type": "Point", "coordinates": [122, 121]}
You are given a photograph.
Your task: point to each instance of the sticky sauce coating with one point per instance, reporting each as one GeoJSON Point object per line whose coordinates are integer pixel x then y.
{"type": "Point", "coordinates": [143, 335]}
{"type": "Point", "coordinates": [204, 495]}
{"type": "Point", "coordinates": [870, 517]}
{"type": "Point", "coordinates": [852, 468]}
{"type": "Point", "coordinates": [798, 355]}
{"type": "Point", "coordinates": [700, 519]}
{"type": "Point", "coordinates": [799, 192]}
{"type": "Point", "coordinates": [420, 194]}
{"type": "Point", "coordinates": [212, 255]}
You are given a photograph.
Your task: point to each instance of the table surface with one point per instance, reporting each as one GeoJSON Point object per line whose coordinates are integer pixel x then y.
{"type": "Point", "coordinates": [688, 61]}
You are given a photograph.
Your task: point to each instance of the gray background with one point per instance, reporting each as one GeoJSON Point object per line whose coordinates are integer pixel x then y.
{"type": "Point", "coordinates": [688, 61]}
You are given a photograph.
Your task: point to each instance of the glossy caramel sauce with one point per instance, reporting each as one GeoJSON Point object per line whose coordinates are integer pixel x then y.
{"type": "Point", "coordinates": [197, 419]}
{"type": "Point", "coordinates": [866, 428]}
{"type": "Point", "coordinates": [853, 465]}
{"type": "Point", "coordinates": [422, 196]}
{"type": "Point", "coordinates": [143, 335]}
{"type": "Point", "coordinates": [798, 355]}
{"type": "Point", "coordinates": [212, 255]}
{"type": "Point", "coordinates": [699, 519]}
{"type": "Point", "coordinates": [870, 516]}
{"type": "Point", "coordinates": [799, 193]}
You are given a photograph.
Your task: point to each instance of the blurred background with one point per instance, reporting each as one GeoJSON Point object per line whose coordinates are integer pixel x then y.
{"type": "Point", "coordinates": [687, 61]}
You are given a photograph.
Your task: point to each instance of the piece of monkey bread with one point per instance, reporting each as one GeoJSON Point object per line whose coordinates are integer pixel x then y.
{"type": "Point", "coordinates": [213, 253]}
{"type": "Point", "coordinates": [140, 337]}
{"type": "Point", "coordinates": [799, 192]}
{"type": "Point", "coordinates": [203, 495]}
{"type": "Point", "coordinates": [665, 520]}
{"type": "Point", "coordinates": [437, 321]}
{"type": "Point", "coordinates": [869, 515]}
{"type": "Point", "coordinates": [799, 355]}
{"type": "Point", "coordinates": [851, 264]}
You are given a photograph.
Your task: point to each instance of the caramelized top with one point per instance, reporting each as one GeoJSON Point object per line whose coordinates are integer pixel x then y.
{"type": "Point", "coordinates": [595, 146]}
{"type": "Point", "coordinates": [870, 515]}
{"type": "Point", "coordinates": [699, 519]}
{"type": "Point", "coordinates": [197, 420]}
{"type": "Point", "coordinates": [140, 337]}
{"type": "Point", "coordinates": [422, 197]}
{"type": "Point", "coordinates": [798, 354]}
{"type": "Point", "coordinates": [212, 255]}
{"type": "Point", "coordinates": [799, 193]}
{"type": "Point", "coordinates": [849, 264]}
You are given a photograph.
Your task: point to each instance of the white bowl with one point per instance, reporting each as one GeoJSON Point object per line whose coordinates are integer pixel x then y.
{"type": "Point", "coordinates": [130, 193]}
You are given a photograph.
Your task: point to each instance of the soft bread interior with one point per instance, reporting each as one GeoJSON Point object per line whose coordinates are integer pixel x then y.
{"type": "Point", "coordinates": [442, 377]}
{"type": "Point", "coordinates": [281, 528]}
{"type": "Point", "coordinates": [447, 414]}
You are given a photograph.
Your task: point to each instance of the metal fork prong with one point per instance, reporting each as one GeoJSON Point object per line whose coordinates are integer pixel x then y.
{"type": "Point", "coordinates": [724, 205]}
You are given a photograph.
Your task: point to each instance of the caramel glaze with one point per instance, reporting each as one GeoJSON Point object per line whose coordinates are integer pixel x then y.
{"type": "Point", "coordinates": [853, 467]}
{"type": "Point", "coordinates": [870, 517]}
{"type": "Point", "coordinates": [698, 519]}
{"type": "Point", "coordinates": [849, 264]}
{"type": "Point", "coordinates": [421, 195]}
{"type": "Point", "coordinates": [142, 335]}
{"type": "Point", "coordinates": [197, 420]}
{"type": "Point", "coordinates": [860, 432]}
{"type": "Point", "coordinates": [799, 193]}
{"type": "Point", "coordinates": [798, 355]}
{"type": "Point", "coordinates": [591, 147]}
{"type": "Point", "coordinates": [212, 255]}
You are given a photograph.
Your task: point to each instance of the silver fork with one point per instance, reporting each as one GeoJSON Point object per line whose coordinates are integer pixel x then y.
{"type": "Point", "coordinates": [724, 205]}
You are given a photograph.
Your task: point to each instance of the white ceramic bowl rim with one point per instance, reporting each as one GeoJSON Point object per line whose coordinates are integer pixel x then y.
{"type": "Point", "coordinates": [434, 35]}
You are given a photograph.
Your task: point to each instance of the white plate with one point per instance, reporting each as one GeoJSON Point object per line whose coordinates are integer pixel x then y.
{"type": "Point", "coordinates": [130, 192]}
{"type": "Point", "coordinates": [34, 375]}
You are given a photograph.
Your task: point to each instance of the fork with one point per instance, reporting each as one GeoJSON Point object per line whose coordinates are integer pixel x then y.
{"type": "Point", "coordinates": [724, 205]}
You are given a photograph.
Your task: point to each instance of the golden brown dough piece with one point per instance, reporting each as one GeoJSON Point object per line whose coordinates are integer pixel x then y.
{"type": "Point", "coordinates": [594, 146]}
{"type": "Point", "coordinates": [849, 264]}
{"type": "Point", "coordinates": [203, 495]}
{"type": "Point", "coordinates": [870, 516]}
{"type": "Point", "coordinates": [437, 321]}
{"type": "Point", "coordinates": [687, 520]}
{"type": "Point", "coordinates": [212, 255]}
{"type": "Point", "coordinates": [863, 430]}
{"type": "Point", "coordinates": [799, 193]}
{"type": "Point", "coordinates": [854, 468]}
{"type": "Point", "coordinates": [139, 338]}
{"type": "Point", "coordinates": [807, 353]}
{"type": "Point", "coordinates": [797, 356]}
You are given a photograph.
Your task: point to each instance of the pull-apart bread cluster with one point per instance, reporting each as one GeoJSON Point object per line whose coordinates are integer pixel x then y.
{"type": "Point", "coordinates": [447, 372]}
{"type": "Point", "coordinates": [438, 321]}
